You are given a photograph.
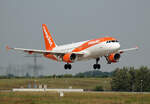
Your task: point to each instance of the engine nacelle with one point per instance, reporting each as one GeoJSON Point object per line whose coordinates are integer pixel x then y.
{"type": "Point", "coordinates": [69, 57]}
{"type": "Point", "coordinates": [114, 57]}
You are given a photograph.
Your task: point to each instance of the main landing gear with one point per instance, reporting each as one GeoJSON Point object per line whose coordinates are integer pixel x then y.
{"type": "Point", "coordinates": [97, 66]}
{"type": "Point", "coordinates": [67, 66]}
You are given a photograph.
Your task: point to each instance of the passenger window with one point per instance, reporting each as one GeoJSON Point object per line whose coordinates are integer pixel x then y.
{"type": "Point", "coordinates": [108, 42]}
{"type": "Point", "coordinates": [112, 41]}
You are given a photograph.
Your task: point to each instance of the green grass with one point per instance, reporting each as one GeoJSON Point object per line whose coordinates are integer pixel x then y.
{"type": "Point", "coordinates": [84, 83]}
{"type": "Point", "coordinates": [72, 98]}
{"type": "Point", "coordinates": [69, 98]}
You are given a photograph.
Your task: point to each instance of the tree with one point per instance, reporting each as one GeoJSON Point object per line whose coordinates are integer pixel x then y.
{"type": "Point", "coordinates": [131, 79]}
{"type": "Point", "coordinates": [120, 80]}
{"type": "Point", "coordinates": [142, 74]}
{"type": "Point", "coordinates": [27, 75]}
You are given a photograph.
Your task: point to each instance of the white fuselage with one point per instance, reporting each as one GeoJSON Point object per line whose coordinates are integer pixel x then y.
{"type": "Point", "coordinates": [98, 50]}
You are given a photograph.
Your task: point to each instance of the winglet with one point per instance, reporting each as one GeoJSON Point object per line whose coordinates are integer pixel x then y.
{"type": "Point", "coordinates": [137, 47]}
{"type": "Point", "coordinates": [8, 48]}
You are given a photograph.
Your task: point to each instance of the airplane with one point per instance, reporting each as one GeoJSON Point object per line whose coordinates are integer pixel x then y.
{"type": "Point", "coordinates": [107, 47]}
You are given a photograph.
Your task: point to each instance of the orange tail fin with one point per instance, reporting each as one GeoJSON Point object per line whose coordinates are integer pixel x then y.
{"type": "Point", "coordinates": [49, 42]}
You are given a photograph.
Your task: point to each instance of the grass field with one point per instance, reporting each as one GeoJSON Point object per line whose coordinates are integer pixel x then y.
{"type": "Point", "coordinates": [69, 98]}
{"type": "Point", "coordinates": [84, 83]}
{"type": "Point", "coordinates": [72, 98]}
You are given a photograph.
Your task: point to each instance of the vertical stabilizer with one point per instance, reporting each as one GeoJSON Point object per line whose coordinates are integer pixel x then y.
{"type": "Point", "coordinates": [49, 42]}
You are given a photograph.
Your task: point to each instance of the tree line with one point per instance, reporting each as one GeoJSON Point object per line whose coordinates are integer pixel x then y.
{"type": "Point", "coordinates": [87, 74]}
{"type": "Point", "coordinates": [131, 79]}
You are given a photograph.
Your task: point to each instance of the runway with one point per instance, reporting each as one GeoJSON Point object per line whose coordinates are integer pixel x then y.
{"type": "Point", "coordinates": [70, 90]}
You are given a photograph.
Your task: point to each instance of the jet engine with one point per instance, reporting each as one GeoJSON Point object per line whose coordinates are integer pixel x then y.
{"type": "Point", "coordinates": [69, 57]}
{"type": "Point", "coordinates": [113, 57]}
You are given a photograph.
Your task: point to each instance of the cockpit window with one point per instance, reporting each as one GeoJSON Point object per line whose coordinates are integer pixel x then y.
{"type": "Point", "coordinates": [110, 41]}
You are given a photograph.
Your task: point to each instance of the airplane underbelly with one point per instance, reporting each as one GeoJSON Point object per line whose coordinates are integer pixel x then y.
{"type": "Point", "coordinates": [98, 51]}
{"type": "Point", "coordinates": [94, 53]}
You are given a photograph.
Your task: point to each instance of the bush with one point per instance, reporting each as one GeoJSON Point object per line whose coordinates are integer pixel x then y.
{"type": "Point", "coordinates": [98, 88]}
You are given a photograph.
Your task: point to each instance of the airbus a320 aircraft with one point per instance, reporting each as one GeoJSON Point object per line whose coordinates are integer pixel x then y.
{"type": "Point", "coordinates": [108, 47]}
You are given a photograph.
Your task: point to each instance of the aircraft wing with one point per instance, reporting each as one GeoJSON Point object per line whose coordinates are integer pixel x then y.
{"type": "Point", "coordinates": [32, 51]}
{"type": "Point", "coordinates": [129, 49]}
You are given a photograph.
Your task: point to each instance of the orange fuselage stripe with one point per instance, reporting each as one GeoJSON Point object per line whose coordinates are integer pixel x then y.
{"type": "Point", "coordinates": [91, 43]}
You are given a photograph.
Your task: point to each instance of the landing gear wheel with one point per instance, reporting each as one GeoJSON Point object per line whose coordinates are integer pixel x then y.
{"type": "Point", "coordinates": [67, 66]}
{"type": "Point", "coordinates": [96, 66]}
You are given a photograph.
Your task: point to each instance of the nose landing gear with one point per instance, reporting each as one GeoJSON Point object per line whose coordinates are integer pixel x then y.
{"type": "Point", "coordinates": [97, 66]}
